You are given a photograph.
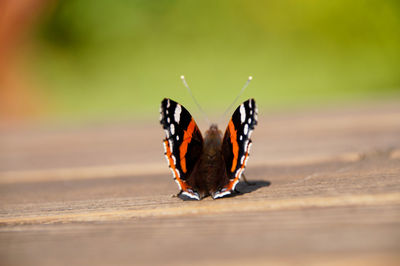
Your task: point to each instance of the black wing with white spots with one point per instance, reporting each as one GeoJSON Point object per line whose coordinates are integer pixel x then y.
{"type": "Point", "coordinates": [236, 143]}
{"type": "Point", "coordinates": [183, 143]}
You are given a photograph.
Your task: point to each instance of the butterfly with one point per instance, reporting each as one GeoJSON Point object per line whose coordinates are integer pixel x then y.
{"type": "Point", "coordinates": [211, 165]}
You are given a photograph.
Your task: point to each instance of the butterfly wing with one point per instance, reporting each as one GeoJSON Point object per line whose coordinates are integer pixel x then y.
{"type": "Point", "coordinates": [183, 143]}
{"type": "Point", "coordinates": [236, 144]}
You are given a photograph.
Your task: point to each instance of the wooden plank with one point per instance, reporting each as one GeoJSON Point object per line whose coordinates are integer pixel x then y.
{"type": "Point", "coordinates": [326, 191]}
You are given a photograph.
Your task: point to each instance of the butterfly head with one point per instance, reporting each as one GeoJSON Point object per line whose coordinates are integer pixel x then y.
{"type": "Point", "coordinates": [212, 142]}
{"type": "Point", "coordinates": [213, 131]}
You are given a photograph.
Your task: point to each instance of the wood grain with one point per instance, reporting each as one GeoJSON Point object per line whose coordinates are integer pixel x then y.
{"type": "Point", "coordinates": [326, 191]}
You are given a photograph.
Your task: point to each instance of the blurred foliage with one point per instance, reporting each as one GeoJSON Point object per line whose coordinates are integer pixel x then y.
{"type": "Point", "coordinates": [120, 58]}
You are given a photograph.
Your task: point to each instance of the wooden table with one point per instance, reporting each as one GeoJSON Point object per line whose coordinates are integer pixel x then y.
{"type": "Point", "coordinates": [327, 192]}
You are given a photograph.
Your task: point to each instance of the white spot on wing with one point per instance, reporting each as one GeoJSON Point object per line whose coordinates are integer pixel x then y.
{"type": "Point", "coordinates": [172, 128]}
{"type": "Point", "coordinates": [165, 147]}
{"type": "Point", "coordinates": [242, 113]}
{"type": "Point", "coordinates": [166, 133]}
{"type": "Point", "coordinates": [168, 103]}
{"type": "Point", "coordinates": [173, 173]}
{"type": "Point", "coordinates": [245, 161]}
{"type": "Point", "coordinates": [246, 144]}
{"type": "Point", "coordinates": [168, 120]}
{"type": "Point", "coordinates": [236, 182]}
{"type": "Point", "coordinates": [248, 149]}
{"type": "Point", "coordinates": [191, 195]}
{"type": "Point", "coordinates": [177, 114]}
{"type": "Point", "coordinates": [177, 137]}
{"type": "Point", "coordinates": [249, 120]}
{"type": "Point", "coordinates": [221, 194]}
{"type": "Point", "coordinates": [173, 158]}
{"type": "Point", "coordinates": [179, 185]}
{"type": "Point", "coordinates": [246, 129]}
{"type": "Point", "coordinates": [249, 135]}
{"type": "Point", "coordinates": [237, 172]}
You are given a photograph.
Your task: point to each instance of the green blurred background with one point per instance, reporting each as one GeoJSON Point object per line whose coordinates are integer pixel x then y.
{"type": "Point", "coordinates": [99, 59]}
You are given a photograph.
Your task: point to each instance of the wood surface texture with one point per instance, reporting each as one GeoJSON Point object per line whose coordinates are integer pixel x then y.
{"type": "Point", "coordinates": [326, 192]}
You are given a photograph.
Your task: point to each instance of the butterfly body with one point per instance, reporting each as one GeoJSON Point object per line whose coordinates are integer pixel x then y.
{"type": "Point", "coordinates": [209, 166]}
{"type": "Point", "coordinates": [209, 174]}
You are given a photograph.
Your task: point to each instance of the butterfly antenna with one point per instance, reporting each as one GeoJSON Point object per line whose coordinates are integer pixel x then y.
{"type": "Point", "coordinates": [237, 97]}
{"type": "Point", "coordinates": [194, 99]}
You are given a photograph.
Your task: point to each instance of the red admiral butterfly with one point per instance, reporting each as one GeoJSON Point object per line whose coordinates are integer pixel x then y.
{"type": "Point", "coordinates": [211, 165]}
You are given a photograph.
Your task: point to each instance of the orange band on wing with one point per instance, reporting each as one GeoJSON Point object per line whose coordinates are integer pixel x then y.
{"type": "Point", "coordinates": [233, 182]}
{"type": "Point", "coordinates": [182, 183]}
{"type": "Point", "coordinates": [187, 138]}
{"type": "Point", "coordinates": [235, 146]}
